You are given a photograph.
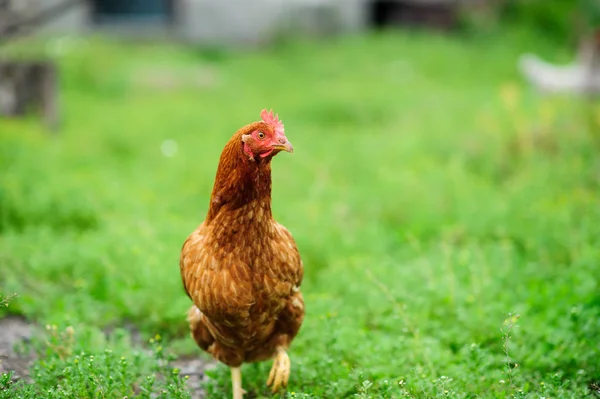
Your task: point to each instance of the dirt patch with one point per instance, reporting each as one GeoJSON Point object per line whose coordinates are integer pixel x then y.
{"type": "Point", "coordinates": [15, 330]}
{"type": "Point", "coordinates": [194, 368]}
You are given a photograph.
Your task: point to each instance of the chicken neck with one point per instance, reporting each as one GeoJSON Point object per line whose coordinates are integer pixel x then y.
{"type": "Point", "coordinates": [240, 180]}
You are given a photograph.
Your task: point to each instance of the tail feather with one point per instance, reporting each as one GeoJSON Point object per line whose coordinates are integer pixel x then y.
{"type": "Point", "coordinates": [199, 330]}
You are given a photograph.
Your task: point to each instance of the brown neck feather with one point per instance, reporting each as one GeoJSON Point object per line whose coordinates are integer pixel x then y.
{"type": "Point", "coordinates": [240, 181]}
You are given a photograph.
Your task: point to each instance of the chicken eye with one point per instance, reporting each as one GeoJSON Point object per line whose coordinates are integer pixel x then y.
{"type": "Point", "coordinates": [260, 135]}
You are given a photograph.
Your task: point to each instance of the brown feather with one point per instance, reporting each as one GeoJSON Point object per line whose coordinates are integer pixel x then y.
{"type": "Point", "coordinates": [240, 267]}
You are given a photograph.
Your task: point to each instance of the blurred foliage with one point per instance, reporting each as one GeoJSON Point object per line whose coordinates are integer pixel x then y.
{"type": "Point", "coordinates": [431, 194]}
{"type": "Point", "coordinates": [559, 20]}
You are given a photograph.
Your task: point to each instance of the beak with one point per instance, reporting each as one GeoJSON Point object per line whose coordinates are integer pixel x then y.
{"type": "Point", "coordinates": [284, 146]}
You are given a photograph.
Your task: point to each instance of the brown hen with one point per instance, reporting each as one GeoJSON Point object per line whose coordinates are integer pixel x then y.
{"type": "Point", "coordinates": [240, 267]}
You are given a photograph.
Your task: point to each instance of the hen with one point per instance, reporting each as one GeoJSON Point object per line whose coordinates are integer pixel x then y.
{"type": "Point", "coordinates": [240, 267]}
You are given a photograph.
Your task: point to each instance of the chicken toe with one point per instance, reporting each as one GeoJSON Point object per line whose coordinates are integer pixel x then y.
{"type": "Point", "coordinates": [280, 372]}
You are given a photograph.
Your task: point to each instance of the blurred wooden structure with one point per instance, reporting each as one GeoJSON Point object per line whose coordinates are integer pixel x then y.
{"type": "Point", "coordinates": [440, 14]}
{"type": "Point", "coordinates": [29, 86]}
{"type": "Point", "coordinates": [25, 16]}
{"type": "Point", "coordinates": [231, 22]}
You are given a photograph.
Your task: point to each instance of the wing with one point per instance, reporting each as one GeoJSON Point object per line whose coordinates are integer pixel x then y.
{"type": "Point", "coordinates": [190, 253]}
{"type": "Point", "coordinates": [218, 283]}
{"type": "Point", "coordinates": [291, 316]}
{"type": "Point", "coordinates": [182, 266]}
{"type": "Point", "coordinates": [291, 267]}
{"type": "Point", "coordinates": [280, 299]}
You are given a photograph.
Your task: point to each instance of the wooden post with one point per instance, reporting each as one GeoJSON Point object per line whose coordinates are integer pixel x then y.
{"type": "Point", "coordinates": [29, 86]}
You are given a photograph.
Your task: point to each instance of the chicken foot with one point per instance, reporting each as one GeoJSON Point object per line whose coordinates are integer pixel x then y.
{"type": "Point", "coordinates": [236, 381]}
{"type": "Point", "coordinates": [280, 372]}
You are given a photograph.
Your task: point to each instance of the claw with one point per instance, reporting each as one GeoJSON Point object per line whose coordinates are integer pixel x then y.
{"type": "Point", "coordinates": [280, 372]}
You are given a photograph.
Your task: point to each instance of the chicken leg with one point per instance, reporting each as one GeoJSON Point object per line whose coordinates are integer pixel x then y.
{"type": "Point", "coordinates": [280, 372]}
{"type": "Point", "coordinates": [236, 381]}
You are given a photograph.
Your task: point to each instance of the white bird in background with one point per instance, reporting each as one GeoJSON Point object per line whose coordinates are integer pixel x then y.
{"type": "Point", "coordinates": [579, 77]}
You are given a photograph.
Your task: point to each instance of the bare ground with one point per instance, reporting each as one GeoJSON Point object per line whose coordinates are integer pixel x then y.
{"type": "Point", "coordinates": [14, 330]}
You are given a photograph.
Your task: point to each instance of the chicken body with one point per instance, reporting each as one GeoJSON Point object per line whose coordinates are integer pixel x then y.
{"type": "Point", "coordinates": [241, 268]}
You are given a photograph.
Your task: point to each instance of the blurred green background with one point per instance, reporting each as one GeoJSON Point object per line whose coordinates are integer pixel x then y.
{"type": "Point", "coordinates": [447, 214]}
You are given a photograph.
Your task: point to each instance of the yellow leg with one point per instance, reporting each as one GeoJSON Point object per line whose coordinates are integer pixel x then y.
{"type": "Point", "coordinates": [280, 372]}
{"type": "Point", "coordinates": [236, 381]}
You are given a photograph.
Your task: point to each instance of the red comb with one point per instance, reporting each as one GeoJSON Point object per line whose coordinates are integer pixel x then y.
{"type": "Point", "coordinates": [272, 120]}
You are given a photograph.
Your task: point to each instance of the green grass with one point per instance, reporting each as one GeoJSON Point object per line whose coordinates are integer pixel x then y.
{"type": "Point", "coordinates": [447, 216]}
